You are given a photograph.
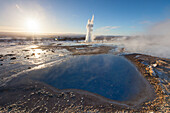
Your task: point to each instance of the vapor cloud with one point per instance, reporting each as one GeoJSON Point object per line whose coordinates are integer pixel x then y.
{"type": "Point", "coordinates": [107, 28]}
{"type": "Point", "coordinates": [146, 22]}
{"type": "Point", "coordinates": [10, 28]}
{"type": "Point", "coordinates": [19, 8]}
{"type": "Point", "coordinates": [156, 41]}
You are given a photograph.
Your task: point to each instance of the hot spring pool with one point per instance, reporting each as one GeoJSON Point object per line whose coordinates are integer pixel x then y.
{"type": "Point", "coordinates": [113, 77]}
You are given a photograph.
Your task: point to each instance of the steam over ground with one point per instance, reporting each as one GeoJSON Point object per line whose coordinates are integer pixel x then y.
{"type": "Point", "coordinates": [156, 41]}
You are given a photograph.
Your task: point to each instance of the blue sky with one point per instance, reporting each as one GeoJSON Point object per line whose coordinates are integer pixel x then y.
{"type": "Point", "coordinates": [112, 17]}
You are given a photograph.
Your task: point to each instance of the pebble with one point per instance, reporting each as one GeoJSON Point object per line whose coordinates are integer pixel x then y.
{"type": "Point", "coordinates": [29, 67]}
{"type": "Point", "coordinates": [13, 58]}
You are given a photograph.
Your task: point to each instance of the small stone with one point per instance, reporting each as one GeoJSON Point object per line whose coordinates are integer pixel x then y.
{"type": "Point", "coordinates": [29, 67]}
{"type": "Point", "coordinates": [13, 58]}
{"type": "Point", "coordinates": [154, 65]}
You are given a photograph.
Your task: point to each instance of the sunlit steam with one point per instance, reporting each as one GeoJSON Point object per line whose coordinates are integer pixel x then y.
{"type": "Point", "coordinates": [156, 41]}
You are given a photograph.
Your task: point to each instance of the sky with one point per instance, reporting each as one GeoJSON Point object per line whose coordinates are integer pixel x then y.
{"type": "Point", "coordinates": [111, 17]}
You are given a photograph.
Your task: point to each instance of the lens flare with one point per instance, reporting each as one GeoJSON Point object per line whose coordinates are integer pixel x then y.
{"type": "Point", "coordinates": [32, 25]}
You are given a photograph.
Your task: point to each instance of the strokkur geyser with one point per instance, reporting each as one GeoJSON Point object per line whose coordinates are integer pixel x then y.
{"type": "Point", "coordinates": [89, 28]}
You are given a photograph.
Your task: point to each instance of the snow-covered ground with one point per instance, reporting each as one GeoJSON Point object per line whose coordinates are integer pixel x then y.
{"type": "Point", "coordinates": [16, 57]}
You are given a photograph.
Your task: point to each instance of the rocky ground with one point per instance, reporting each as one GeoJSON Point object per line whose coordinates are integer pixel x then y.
{"type": "Point", "coordinates": [157, 72]}
{"type": "Point", "coordinates": [34, 96]}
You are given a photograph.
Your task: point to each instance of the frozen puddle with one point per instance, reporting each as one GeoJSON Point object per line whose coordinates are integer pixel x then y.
{"type": "Point", "coordinates": [110, 76]}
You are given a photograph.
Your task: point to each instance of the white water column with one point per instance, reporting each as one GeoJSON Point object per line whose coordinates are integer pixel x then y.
{"type": "Point", "coordinates": [89, 28]}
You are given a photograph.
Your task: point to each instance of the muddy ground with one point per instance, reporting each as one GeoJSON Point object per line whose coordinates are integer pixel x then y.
{"type": "Point", "coordinates": [33, 96]}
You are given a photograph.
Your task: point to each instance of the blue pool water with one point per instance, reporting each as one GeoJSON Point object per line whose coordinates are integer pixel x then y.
{"type": "Point", "coordinates": [113, 77]}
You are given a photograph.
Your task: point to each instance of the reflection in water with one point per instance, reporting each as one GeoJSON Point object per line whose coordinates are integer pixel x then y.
{"type": "Point", "coordinates": [37, 55]}
{"type": "Point", "coordinates": [37, 52]}
{"type": "Point", "coordinates": [111, 76]}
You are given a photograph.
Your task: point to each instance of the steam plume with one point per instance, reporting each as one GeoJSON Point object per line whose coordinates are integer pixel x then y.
{"type": "Point", "coordinates": [156, 41]}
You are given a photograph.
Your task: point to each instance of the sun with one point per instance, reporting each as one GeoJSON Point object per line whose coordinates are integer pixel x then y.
{"type": "Point", "coordinates": [32, 25]}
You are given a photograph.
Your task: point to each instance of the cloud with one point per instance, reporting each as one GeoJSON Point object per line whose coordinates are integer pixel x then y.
{"type": "Point", "coordinates": [132, 26]}
{"type": "Point", "coordinates": [19, 8]}
{"type": "Point", "coordinates": [107, 28]}
{"type": "Point", "coordinates": [10, 28]}
{"type": "Point", "coordinates": [146, 22]}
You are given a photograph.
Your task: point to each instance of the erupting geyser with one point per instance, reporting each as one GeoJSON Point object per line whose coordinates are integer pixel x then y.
{"type": "Point", "coordinates": [89, 28]}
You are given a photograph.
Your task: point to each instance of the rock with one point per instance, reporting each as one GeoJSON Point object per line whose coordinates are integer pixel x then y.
{"type": "Point", "coordinates": [25, 50]}
{"type": "Point", "coordinates": [29, 67]}
{"type": "Point", "coordinates": [13, 58]}
{"type": "Point", "coordinates": [9, 54]}
{"type": "Point", "coordinates": [154, 65]}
